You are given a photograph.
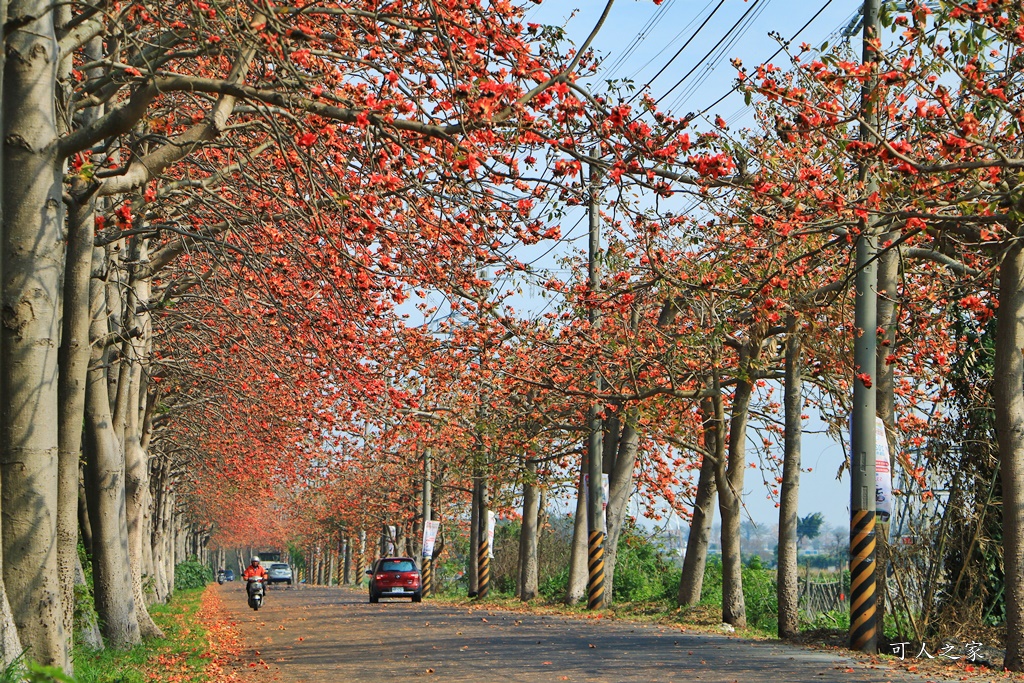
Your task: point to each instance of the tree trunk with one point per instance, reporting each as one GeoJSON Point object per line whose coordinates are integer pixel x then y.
{"type": "Point", "coordinates": [1008, 397]}
{"type": "Point", "coordinates": [529, 580]}
{"type": "Point", "coordinates": [73, 358]}
{"type": "Point", "coordinates": [136, 490]}
{"type": "Point", "coordinates": [620, 487]}
{"type": "Point", "coordinates": [787, 585]}
{"type": "Point", "coordinates": [105, 491]}
{"type": "Point", "coordinates": [578, 576]}
{"type": "Point", "coordinates": [32, 268]}
{"type": "Point", "coordinates": [885, 402]}
{"type": "Point", "coordinates": [10, 644]}
{"type": "Point", "coordinates": [136, 460]}
{"type": "Point", "coordinates": [691, 582]}
{"type": "Point", "coordinates": [159, 533]}
{"type": "Point", "coordinates": [730, 499]}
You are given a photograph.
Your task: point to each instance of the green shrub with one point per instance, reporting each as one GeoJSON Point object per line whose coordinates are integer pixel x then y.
{"type": "Point", "coordinates": [553, 586]}
{"type": "Point", "coordinates": [85, 606]}
{"type": "Point", "coordinates": [191, 574]}
{"type": "Point", "coordinates": [642, 572]}
{"type": "Point", "coordinates": [760, 596]}
{"type": "Point", "coordinates": [711, 590]}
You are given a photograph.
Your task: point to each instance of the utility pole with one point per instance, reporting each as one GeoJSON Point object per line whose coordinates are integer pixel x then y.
{"type": "Point", "coordinates": [595, 436]}
{"type": "Point", "coordinates": [427, 561]}
{"type": "Point", "coordinates": [863, 617]}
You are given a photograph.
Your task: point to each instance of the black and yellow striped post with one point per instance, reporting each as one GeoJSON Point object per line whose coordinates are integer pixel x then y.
{"type": "Point", "coordinates": [595, 565]}
{"type": "Point", "coordinates": [361, 559]}
{"type": "Point", "coordinates": [862, 581]}
{"type": "Point", "coordinates": [428, 577]}
{"type": "Point", "coordinates": [484, 564]}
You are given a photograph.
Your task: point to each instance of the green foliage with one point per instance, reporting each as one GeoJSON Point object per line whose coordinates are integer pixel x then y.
{"type": "Point", "coordinates": [85, 605]}
{"type": "Point", "coordinates": [642, 571]}
{"type": "Point", "coordinates": [37, 673]}
{"type": "Point", "coordinates": [838, 619]}
{"type": "Point", "coordinates": [553, 586]}
{"type": "Point", "coordinates": [759, 592]}
{"type": "Point", "coordinates": [297, 557]}
{"type": "Point", "coordinates": [761, 598]}
{"type": "Point", "coordinates": [810, 526]}
{"type": "Point", "coordinates": [184, 641]}
{"type": "Point", "coordinates": [191, 574]}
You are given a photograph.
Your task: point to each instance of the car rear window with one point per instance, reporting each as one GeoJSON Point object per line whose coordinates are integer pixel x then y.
{"type": "Point", "coordinates": [279, 566]}
{"type": "Point", "coordinates": [397, 566]}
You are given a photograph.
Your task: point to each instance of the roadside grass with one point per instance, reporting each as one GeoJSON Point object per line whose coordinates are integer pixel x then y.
{"type": "Point", "coordinates": [181, 656]}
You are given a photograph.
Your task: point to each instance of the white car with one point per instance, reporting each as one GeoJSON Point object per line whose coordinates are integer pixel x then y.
{"type": "Point", "coordinates": [279, 572]}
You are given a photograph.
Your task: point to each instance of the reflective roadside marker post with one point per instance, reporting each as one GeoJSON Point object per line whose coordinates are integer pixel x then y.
{"type": "Point", "coordinates": [484, 559]}
{"type": "Point", "coordinates": [863, 635]}
{"type": "Point", "coordinates": [427, 580]}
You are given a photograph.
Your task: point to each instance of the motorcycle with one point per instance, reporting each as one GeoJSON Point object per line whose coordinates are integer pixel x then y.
{"type": "Point", "coordinates": [255, 590]}
{"type": "Point", "coordinates": [220, 577]}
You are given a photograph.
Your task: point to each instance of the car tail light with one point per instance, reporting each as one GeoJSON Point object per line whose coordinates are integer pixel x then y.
{"type": "Point", "coordinates": [381, 577]}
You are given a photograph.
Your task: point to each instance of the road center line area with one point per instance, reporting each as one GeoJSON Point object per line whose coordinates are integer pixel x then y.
{"type": "Point", "coordinates": [310, 635]}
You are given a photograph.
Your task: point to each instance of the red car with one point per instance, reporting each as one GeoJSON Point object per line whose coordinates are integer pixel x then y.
{"type": "Point", "coordinates": [395, 577]}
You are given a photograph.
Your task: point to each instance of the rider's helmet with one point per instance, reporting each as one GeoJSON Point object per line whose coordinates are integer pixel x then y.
{"type": "Point", "coordinates": [255, 559]}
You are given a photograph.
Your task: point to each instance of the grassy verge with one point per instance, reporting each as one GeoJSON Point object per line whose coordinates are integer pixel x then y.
{"type": "Point", "coordinates": [181, 656]}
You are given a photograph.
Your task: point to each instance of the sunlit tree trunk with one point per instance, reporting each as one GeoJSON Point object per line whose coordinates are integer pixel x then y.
{"type": "Point", "coordinates": [577, 588]}
{"type": "Point", "coordinates": [159, 532]}
{"type": "Point", "coordinates": [691, 581]}
{"type": "Point", "coordinates": [788, 590]}
{"type": "Point", "coordinates": [74, 362]}
{"type": "Point", "coordinates": [105, 490]}
{"type": "Point", "coordinates": [32, 255]}
{"type": "Point", "coordinates": [1008, 397]}
{"type": "Point", "coordinates": [885, 397]}
{"type": "Point", "coordinates": [729, 477]}
{"type": "Point", "coordinates": [620, 486]}
{"type": "Point", "coordinates": [136, 460]}
{"type": "Point", "coordinates": [529, 580]}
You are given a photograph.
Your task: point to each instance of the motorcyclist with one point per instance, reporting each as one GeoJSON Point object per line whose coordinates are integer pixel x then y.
{"type": "Point", "coordinates": [254, 570]}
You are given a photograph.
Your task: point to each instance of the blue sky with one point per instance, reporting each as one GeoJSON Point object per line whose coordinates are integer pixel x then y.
{"type": "Point", "coordinates": [641, 39]}
{"type": "Point", "coordinates": [637, 41]}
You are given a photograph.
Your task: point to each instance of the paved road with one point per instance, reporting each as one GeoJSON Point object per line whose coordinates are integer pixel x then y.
{"type": "Point", "coordinates": [312, 635]}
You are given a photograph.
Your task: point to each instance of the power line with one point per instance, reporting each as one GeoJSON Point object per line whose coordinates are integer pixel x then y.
{"type": "Point", "coordinates": [680, 50]}
{"type": "Point", "coordinates": [639, 38]}
{"type": "Point", "coordinates": [678, 83]}
{"type": "Point", "coordinates": [773, 56]}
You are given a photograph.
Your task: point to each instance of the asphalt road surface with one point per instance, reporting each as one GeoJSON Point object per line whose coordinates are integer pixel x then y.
{"type": "Point", "coordinates": [312, 635]}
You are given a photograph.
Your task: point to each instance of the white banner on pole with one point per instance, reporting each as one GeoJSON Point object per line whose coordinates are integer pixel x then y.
{"type": "Point", "coordinates": [883, 475]}
{"type": "Point", "coordinates": [490, 534]}
{"type": "Point", "coordinates": [429, 536]}
{"type": "Point", "coordinates": [883, 472]}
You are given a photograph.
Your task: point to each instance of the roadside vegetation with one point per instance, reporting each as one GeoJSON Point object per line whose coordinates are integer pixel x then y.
{"type": "Point", "coordinates": [181, 655]}
{"type": "Point", "coordinates": [646, 581]}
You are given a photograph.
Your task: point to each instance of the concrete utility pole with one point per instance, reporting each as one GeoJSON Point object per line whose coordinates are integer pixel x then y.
{"type": "Point", "coordinates": [863, 628]}
{"type": "Point", "coordinates": [427, 561]}
{"type": "Point", "coordinates": [595, 447]}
